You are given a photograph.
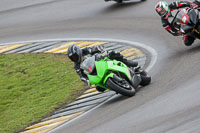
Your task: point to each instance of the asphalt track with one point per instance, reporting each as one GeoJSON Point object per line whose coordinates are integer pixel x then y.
{"type": "Point", "coordinates": [170, 104]}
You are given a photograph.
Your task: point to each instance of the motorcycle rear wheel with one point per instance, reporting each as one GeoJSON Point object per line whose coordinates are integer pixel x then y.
{"type": "Point", "coordinates": [115, 87]}
{"type": "Point", "coordinates": [146, 80]}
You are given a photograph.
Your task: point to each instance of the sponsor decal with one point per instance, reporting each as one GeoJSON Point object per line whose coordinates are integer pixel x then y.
{"type": "Point", "coordinates": [90, 68]}
{"type": "Point", "coordinates": [184, 19]}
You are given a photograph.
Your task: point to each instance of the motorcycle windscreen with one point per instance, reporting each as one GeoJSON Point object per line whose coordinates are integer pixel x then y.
{"type": "Point", "coordinates": [88, 65]}
{"type": "Point", "coordinates": [194, 16]}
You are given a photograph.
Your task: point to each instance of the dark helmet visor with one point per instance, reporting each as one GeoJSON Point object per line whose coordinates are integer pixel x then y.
{"type": "Point", "coordinates": [74, 57]}
{"type": "Point", "coordinates": [163, 12]}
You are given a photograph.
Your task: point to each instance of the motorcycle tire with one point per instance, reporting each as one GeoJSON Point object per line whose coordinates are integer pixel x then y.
{"type": "Point", "coordinates": [119, 1]}
{"type": "Point", "coordinates": [100, 89]}
{"type": "Point", "coordinates": [115, 87]}
{"type": "Point", "coordinates": [146, 80]}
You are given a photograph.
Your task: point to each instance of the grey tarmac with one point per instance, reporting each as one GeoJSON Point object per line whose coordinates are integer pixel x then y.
{"type": "Point", "coordinates": [170, 104]}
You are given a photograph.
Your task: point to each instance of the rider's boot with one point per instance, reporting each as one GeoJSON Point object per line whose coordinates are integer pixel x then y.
{"type": "Point", "coordinates": [118, 56]}
{"type": "Point", "coordinates": [130, 63]}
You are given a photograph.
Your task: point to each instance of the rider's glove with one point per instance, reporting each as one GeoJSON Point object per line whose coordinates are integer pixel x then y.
{"type": "Point", "coordinates": [104, 54]}
{"type": "Point", "coordinates": [194, 6]}
{"type": "Point", "coordinates": [179, 33]}
{"type": "Point", "coordinates": [97, 49]}
{"type": "Point", "coordinates": [100, 48]}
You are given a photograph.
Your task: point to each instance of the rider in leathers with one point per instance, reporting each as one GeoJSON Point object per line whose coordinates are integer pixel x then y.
{"type": "Point", "coordinates": [77, 55]}
{"type": "Point", "coordinates": [165, 11]}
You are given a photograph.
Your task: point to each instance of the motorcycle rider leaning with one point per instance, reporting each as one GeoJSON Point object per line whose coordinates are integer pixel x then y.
{"type": "Point", "coordinates": [77, 55]}
{"type": "Point", "coordinates": [165, 12]}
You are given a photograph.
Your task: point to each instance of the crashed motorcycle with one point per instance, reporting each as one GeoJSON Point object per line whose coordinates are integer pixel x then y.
{"type": "Point", "coordinates": [114, 75]}
{"type": "Point", "coordinates": [188, 22]}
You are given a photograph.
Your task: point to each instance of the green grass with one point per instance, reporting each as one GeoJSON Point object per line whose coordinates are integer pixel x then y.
{"type": "Point", "coordinates": [34, 85]}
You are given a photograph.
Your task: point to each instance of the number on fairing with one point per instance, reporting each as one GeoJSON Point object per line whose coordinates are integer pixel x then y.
{"type": "Point", "coordinates": [184, 19]}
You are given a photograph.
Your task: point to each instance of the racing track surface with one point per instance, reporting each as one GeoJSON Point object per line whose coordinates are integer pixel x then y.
{"type": "Point", "coordinates": [170, 104]}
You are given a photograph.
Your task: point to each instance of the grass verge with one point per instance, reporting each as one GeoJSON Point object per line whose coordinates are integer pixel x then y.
{"type": "Point", "coordinates": [34, 85]}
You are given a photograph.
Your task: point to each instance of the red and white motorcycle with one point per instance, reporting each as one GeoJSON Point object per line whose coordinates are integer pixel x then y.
{"type": "Point", "coordinates": [119, 1]}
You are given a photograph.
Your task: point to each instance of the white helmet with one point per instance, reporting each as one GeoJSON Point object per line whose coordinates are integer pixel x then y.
{"type": "Point", "coordinates": [162, 8]}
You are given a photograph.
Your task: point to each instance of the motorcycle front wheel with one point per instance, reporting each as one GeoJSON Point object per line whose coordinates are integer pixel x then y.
{"type": "Point", "coordinates": [115, 87]}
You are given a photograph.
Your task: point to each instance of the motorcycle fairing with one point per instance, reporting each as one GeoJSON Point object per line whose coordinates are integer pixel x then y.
{"type": "Point", "coordinates": [187, 18]}
{"type": "Point", "coordinates": [104, 68]}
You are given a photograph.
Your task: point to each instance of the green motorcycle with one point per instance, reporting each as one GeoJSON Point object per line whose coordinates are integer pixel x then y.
{"type": "Point", "coordinates": [114, 75]}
